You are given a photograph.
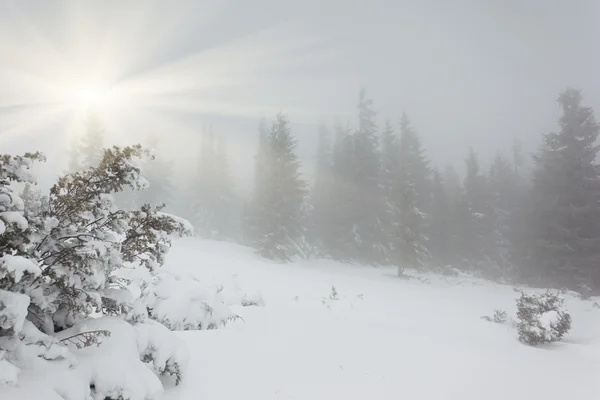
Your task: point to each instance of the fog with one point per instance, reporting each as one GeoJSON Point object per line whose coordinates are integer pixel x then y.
{"type": "Point", "coordinates": [467, 73]}
{"type": "Point", "coordinates": [368, 199]}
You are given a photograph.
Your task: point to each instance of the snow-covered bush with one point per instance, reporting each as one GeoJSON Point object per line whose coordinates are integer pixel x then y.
{"type": "Point", "coordinates": [58, 260]}
{"type": "Point", "coordinates": [499, 317]}
{"type": "Point", "coordinates": [166, 354]}
{"type": "Point", "coordinates": [114, 369]}
{"type": "Point", "coordinates": [542, 318]}
{"type": "Point", "coordinates": [183, 303]}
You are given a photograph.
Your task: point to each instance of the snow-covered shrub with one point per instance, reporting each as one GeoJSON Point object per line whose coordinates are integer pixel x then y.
{"type": "Point", "coordinates": [113, 370]}
{"type": "Point", "coordinates": [542, 318]}
{"type": "Point", "coordinates": [159, 347]}
{"type": "Point", "coordinates": [58, 258]}
{"type": "Point", "coordinates": [499, 317]}
{"type": "Point", "coordinates": [253, 300]}
{"type": "Point", "coordinates": [183, 303]}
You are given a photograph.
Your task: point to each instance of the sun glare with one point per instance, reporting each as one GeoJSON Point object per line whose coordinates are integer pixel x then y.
{"type": "Point", "coordinates": [86, 96]}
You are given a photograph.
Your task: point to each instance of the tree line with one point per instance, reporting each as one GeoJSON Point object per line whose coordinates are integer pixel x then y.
{"type": "Point", "coordinates": [376, 198]}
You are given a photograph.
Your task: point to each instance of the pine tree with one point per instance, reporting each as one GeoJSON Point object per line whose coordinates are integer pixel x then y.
{"type": "Point", "coordinates": [414, 193]}
{"type": "Point", "coordinates": [370, 234]}
{"type": "Point", "coordinates": [280, 198]}
{"type": "Point", "coordinates": [341, 239]}
{"type": "Point", "coordinates": [415, 162]}
{"type": "Point", "coordinates": [412, 248]}
{"type": "Point", "coordinates": [565, 194]}
{"type": "Point", "coordinates": [473, 216]}
{"type": "Point", "coordinates": [502, 203]}
{"type": "Point", "coordinates": [322, 195]}
{"type": "Point", "coordinates": [440, 221]}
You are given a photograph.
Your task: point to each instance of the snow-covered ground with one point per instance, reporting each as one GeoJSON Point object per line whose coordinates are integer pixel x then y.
{"type": "Point", "coordinates": [383, 338]}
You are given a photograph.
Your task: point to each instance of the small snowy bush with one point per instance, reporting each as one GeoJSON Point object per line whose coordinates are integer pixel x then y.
{"type": "Point", "coordinates": [499, 317]}
{"type": "Point", "coordinates": [542, 318]}
{"type": "Point", "coordinates": [183, 303]}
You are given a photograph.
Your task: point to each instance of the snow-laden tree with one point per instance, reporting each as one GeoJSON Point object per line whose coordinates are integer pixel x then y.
{"type": "Point", "coordinates": [414, 160]}
{"type": "Point", "coordinates": [322, 196]}
{"type": "Point", "coordinates": [473, 216]}
{"type": "Point", "coordinates": [369, 198]}
{"type": "Point", "coordinates": [502, 181]}
{"type": "Point", "coordinates": [565, 196]}
{"type": "Point", "coordinates": [279, 231]}
{"type": "Point", "coordinates": [412, 192]}
{"type": "Point", "coordinates": [341, 238]}
{"type": "Point", "coordinates": [58, 259]}
{"type": "Point", "coordinates": [440, 221]}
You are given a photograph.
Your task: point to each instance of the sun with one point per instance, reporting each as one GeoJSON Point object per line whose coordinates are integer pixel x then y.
{"type": "Point", "coordinates": [86, 96]}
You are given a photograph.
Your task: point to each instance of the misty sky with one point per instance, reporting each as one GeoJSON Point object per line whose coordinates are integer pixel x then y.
{"type": "Point", "coordinates": [467, 72]}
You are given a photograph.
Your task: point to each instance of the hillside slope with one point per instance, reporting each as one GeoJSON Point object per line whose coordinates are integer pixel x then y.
{"type": "Point", "coordinates": [383, 338]}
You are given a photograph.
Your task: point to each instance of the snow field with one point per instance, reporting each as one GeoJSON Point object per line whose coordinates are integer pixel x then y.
{"type": "Point", "coordinates": [383, 338]}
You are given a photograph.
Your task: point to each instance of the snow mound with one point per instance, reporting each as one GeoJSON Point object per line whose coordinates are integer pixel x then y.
{"type": "Point", "coordinates": [113, 368]}
{"type": "Point", "coordinates": [158, 346]}
{"type": "Point", "coordinates": [182, 303]}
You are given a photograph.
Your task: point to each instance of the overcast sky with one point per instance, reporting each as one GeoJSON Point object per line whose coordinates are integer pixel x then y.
{"type": "Point", "coordinates": [467, 72]}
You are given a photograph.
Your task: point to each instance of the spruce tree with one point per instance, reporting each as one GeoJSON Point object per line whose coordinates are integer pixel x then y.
{"type": "Point", "coordinates": [280, 198]}
{"type": "Point", "coordinates": [341, 239]}
{"type": "Point", "coordinates": [502, 203]}
{"type": "Point", "coordinates": [440, 221]}
{"type": "Point", "coordinates": [412, 243]}
{"type": "Point", "coordinates": [473, 216]}
{"type": "Point", "coordinates": [414, 195]}
{"type": "Point", "coordinates": [322, 195]}
{"type": "Point", "coordinates": [370, 234]}
{"type": "Point", "coordinates": [565, 194]}
{"type": "Point", "coordinates": [414, 160]}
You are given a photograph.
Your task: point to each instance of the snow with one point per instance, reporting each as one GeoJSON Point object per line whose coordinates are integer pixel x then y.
{"type": "Point", "coordinates": [17, 266]}
{"type": "Point", "coordinates": [548, 319]}
{"type": "Point", "coordinates": [13, 310]}
{"type": "Point", "coordinates": [184, 303]}
{"type": "Point", "coordinates": [14, 217]}
{"type": "Point", "coordinates": [9, 374]}
{"type": "Point", "coordinates": [379, 337]}
{"type": "Point", "coordinates": [113, 367]}
{"type": "Point", "coordinates": [384, 338]}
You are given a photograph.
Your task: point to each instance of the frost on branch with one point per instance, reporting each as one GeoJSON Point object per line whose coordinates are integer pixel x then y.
{"type": "Point", "coordinates": [542, 318]}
